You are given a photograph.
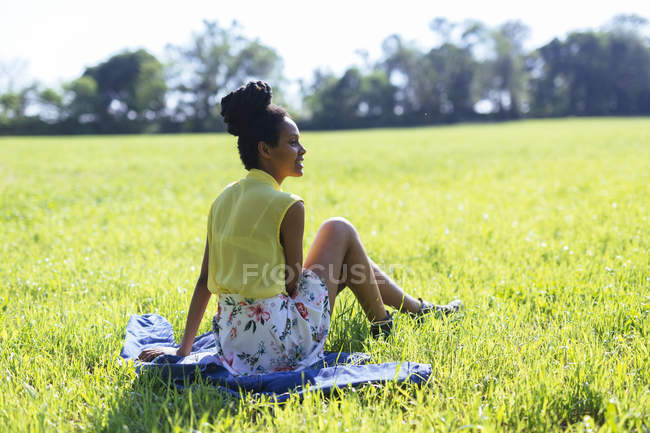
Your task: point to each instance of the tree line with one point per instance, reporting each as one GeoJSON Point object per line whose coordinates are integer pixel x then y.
{"type": "Point", "coordinates": [474, 73]}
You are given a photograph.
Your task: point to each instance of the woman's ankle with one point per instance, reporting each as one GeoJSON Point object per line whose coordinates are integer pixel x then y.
{"type": "Point", "coordinates": [382, 327]}
{"type": "Point", "coordinates": [410, 305]}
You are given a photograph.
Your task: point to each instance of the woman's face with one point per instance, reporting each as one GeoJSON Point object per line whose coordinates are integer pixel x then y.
{"type": "Point", "coordinates": [286, 158]}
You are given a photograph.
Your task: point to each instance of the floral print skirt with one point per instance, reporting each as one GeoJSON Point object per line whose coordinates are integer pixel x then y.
{"type": "Point", "coordinates": [258, 336]}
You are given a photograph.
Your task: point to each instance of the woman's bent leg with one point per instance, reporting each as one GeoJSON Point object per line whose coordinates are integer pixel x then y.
{"type": "Point", "coordinates": [392, 294]}
{"type": "Point", "coordinates": [338, 257]}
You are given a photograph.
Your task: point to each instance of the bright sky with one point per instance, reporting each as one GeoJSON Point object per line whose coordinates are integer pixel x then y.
{"type": "Point", "coordinates": [57, 39]}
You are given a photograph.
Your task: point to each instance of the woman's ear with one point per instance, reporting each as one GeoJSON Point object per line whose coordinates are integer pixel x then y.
{"type": "Point", "coordinates": [263, 150]}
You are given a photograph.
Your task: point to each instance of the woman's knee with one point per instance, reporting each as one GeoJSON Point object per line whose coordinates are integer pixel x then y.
{"type": "Point", "coordinates": [338, 226]}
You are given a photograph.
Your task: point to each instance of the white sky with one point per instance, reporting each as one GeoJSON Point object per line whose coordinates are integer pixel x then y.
{"type": "Point", "coordinates": [58, 39]}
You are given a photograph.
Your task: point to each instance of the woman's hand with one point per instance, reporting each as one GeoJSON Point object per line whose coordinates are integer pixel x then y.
{"type": "Point", "coordinates": [150, 354]}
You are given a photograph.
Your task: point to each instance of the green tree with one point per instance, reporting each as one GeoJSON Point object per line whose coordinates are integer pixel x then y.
{"type": "Point", "coordinates": [11, 106]}
{"type": "Point", "coordinates": [15, 107]}
{"type": "Point", "coordinates": [377, 98]}
{"type": "Point", "coordinates": [130, 91]}
{"type": "Point", "coordinates": [334, 102]}
{"type": "Point", "coordinates": [354, 100]}
{"type": "Point", "coordinates": [432, 87]}
{"type": "Point", "coordinates": [629, 55]}
{"type": "Point", "coordinates": [84, 100]}
{"type": "Point", "coordinates": [216, 61]}
{"type": "Point", "coordinates": [550, 80]}
{"type": "Point", "coordinates": [594, 72]}
{"type": "Point", "coordinates": [507, 76]}
{"type": "Point", "coordinates": [454, 69]}
{"type": "Point", "coordinates": [50, 104]}
{"type": "Point", "coordinates": [412, 77]}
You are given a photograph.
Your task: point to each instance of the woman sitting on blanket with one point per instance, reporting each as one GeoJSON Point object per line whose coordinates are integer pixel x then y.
{"type": "Point", "coordinates": [274, 309]}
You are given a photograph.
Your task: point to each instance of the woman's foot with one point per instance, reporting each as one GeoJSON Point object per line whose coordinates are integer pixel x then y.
{"type": "Point", "coordinates": [438, 311]}
{"type": "Point", "coordinates": [382, 327]}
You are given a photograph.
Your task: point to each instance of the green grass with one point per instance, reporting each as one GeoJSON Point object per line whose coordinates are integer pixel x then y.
{"type": "Point", "coordinates": [540, 227]}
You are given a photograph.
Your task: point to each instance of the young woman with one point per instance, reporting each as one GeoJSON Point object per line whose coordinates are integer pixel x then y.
{"type": "Point", "coordinates": [274, 307]}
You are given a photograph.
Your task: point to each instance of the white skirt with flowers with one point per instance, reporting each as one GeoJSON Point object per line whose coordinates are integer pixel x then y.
{"type": "Point", "coordinates": [258, 336]}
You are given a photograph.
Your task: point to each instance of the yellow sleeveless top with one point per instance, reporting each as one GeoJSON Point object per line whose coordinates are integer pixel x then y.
{"type": "Point", "coordinates": [245, 254]}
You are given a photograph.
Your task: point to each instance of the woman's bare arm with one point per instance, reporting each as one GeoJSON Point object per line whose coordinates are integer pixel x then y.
{"type": "Point", "coordinates": [198, 305]}
{"type": "Point", "coordinates": [291, 236]}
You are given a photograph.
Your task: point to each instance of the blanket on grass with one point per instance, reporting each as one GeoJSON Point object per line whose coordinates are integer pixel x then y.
{"type": "Point", "coordinates": [336, 370]}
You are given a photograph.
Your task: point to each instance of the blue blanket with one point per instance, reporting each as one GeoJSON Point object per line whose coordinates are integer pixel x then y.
{"type": "Point", "coordinates": [336, 370]}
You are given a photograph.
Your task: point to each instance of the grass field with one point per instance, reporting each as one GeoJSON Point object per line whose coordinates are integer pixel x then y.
{"type": "Point", "coordinates": [540, 227]}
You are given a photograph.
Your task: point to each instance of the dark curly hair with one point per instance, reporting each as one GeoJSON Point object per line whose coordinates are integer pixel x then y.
{"type": "Point", "coordinates": [252, 118]}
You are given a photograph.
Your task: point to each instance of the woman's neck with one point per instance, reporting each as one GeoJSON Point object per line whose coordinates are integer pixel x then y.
{"type": "Point", "coordinates": [269, 170]}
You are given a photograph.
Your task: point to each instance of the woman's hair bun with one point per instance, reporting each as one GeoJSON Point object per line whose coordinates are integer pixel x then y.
{"type": "Point", "coordinates": [242, 106]}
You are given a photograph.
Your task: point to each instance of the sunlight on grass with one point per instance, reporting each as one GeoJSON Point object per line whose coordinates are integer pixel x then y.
{"type": "Point", "coordinates": [540, 227]}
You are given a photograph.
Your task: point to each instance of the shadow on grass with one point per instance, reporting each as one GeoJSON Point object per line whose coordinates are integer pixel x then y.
{"type": "Point", "coordinates": [349, 327]}
{"type": "Point", "coordinates": [153, 403]}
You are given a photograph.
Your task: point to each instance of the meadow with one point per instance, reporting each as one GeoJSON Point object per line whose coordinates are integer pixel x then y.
{"type": "Point", "coordinates": [540, 227]}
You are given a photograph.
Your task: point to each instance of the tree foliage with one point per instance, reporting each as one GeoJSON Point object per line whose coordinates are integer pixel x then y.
{"type": "Point", "coordinates": [474, 72]}
{"type": "Point", "coordinates": [594, 73]}
{"type": "Point", "coordinates": [121, 93]}
{"type": "Point", "coordinates": [216, 60]}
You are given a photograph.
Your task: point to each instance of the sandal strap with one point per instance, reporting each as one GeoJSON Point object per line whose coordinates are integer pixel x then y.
{"type": "Point", "coordinates": [382, 327]}
{"type": "Point", "coordinates": [419, 313]}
